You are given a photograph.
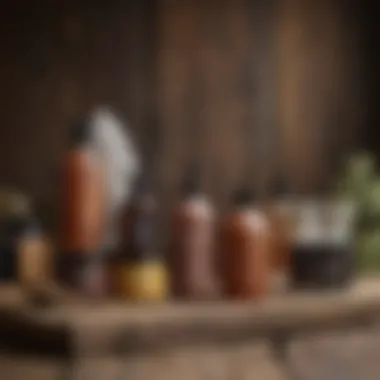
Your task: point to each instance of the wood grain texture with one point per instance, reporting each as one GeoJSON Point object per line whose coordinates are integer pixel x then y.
{"type": "Point", "coordinates": [283, 67]}
{"type": "Point", "coordinates": [319, 99]}
{"type": "Point", "coordinates": [111, 328]}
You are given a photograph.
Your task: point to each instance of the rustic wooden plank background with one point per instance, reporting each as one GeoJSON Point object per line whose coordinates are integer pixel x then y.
{"type": "Point", "coordinates": [289, 67]}
{"type": "Point", "coordinates": [321, 87]}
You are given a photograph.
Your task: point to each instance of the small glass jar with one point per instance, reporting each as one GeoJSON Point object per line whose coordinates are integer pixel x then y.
{"type": "Point", "coordinates": [324, 255]}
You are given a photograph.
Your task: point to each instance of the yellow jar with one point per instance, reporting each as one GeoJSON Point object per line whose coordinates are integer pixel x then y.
{"type": "Point", "coordinates": [143, 281]}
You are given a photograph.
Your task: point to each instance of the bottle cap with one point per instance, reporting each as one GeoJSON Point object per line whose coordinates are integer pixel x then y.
{"type": "Point", "coordinates": [32, 227]}
{"type": "Point", "coordinates": [192, 182]}
{"type": "Point", "coordinates": [81, 132]}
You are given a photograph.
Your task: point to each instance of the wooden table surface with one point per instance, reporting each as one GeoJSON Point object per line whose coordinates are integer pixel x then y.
{"type": "Point", "coordinates": [97, 327]}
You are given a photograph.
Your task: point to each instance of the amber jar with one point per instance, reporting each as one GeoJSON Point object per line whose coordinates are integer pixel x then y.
{"type": "Point", "coordinates": [280, 214]}
{"type": "Point", "coordinates": [34, 256]}
{"type": "Point", "coordinates": [15, 211]}
{"type": "Point", "coordinates": [244, 243]}
{"type": "Point", "coordinates": [192, 249]}
{"type": "Point", "coordinates": [141, 270]}
{"type": "Point", "coordinates": [83, 210]}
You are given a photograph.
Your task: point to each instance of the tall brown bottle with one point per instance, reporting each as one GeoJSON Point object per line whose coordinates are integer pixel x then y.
{"type": "Point", "coordinates": [192, 242]}
{"type": "Point", "coordinates": [244, 249]}
{"type": "Point", "coordinates": [142, 274]}
{"type": "Point", "coordinates": [281, 222]}
{"type": "Point", "coordinates": [83, 213]}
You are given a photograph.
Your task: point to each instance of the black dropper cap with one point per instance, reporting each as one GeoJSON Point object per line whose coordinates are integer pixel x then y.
{"type": "Point", "coordinates": [81, 132]}
{"type": "Point", "coordinates": [243, 196]}
{"type": "Point", "coordinates": [192, 182]}
{"type": "Point", "coordinates": [141, 185]}
{"type": "Point", "coordinates": [32, 227]}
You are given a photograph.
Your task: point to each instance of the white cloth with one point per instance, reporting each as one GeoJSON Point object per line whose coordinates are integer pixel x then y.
{"type": "Point", "coordinates": [122, 164]}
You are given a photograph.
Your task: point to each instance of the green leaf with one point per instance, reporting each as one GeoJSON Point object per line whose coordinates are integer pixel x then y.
{"type": "Point", "coordinates": [368, 247]}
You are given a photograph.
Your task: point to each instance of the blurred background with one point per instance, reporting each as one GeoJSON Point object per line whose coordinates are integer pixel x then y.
{"type": "Point", "coordinates": [302, 73]}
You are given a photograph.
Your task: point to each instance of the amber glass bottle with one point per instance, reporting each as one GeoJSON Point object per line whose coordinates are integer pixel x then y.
{"type": "Point", "coordinates": [192, 242]}
{"type": "Point", "coordinates": [83, 211]}
{"type": "Point", "coordinates": [35, 256]}
{"type": "Point", "coordinates": [282, 229]}
{"type": "Point", "coordinates": [244, 248]}
{"type": "Point", "coordinates": [142, 273]}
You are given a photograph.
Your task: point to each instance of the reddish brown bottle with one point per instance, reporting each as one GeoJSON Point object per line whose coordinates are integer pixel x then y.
{"type": "Point", "coordinates": [83, 211]}
{"type": "Point", "coordinates": [244, 249]}
{"type": "Point", "coordinates": [192, 243]}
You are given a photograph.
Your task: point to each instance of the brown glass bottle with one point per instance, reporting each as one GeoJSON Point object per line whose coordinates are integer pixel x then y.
{"type": "Point", "coordinates": [142, 273]}
{"type": "Point", "coordinates": [192, 243]}
{"type": "Point", "coordinates": [34, 256]}
{"type": "Point", "coordinates": [244, 249]}
{"type": "Point", "coordinates": [82, 212]}
{"type": "Point", "coordinates": [281, 223]}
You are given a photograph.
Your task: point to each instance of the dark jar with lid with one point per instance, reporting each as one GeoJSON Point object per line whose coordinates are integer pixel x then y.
{"type": "Point", "coordinates": [15, 211]}
{"type": "Point", "coordinates": [324, 255]}
{"type": "Point", "coordinates": [10, 231]}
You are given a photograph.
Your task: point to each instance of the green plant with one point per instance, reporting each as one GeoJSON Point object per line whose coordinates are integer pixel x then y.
{"type": "Point", "coordinates": [360, 182]}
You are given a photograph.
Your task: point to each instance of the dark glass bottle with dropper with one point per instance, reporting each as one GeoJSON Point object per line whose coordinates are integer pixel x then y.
{"type": "Point", "coordinates": [192, 241]}
{"type": "Point", "coordinates": [244, 248]}
{"type": "Point", "coordinates": [142, 273]}
{"type": "Point", "coordinates": [11, 229]}
{"type": "Point", "coordinates": [14, 211]}
{"type": "Point", "coordinates": [83, 209]}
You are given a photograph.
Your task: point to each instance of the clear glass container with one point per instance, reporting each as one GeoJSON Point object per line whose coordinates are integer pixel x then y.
{"type": "Point", "coordinates": [324, 252]}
